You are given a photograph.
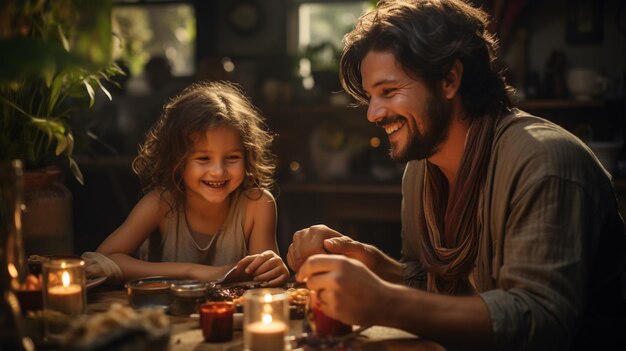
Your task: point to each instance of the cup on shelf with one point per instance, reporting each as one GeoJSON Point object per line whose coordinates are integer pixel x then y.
{"type": "Point", "coordinates": [586, 84]}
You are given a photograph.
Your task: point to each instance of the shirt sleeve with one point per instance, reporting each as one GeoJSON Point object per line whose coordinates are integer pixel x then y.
{"type": "Point", "coordinates": [550, 236]}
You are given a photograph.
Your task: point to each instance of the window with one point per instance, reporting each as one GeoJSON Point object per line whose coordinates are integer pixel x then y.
{"type": "Point", "coordinates": [321, 27]}
{"type": "Point", "coordinates": [327, 22]}
{"type": "Point", "coordinates": [151, 29]}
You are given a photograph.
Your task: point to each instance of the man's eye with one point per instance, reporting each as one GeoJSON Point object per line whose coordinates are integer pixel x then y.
{"type": "Point", "coordinates": [388, 91]}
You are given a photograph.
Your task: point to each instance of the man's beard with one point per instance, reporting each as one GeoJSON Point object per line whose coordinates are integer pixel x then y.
{"type": "Point", "coordinates": [436, 124]}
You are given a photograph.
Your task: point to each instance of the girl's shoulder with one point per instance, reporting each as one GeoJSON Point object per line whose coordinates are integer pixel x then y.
{"type": "Point", "coordinates": [259, 201]}
{"type": "Point", "coordinates": [159, 200]}
{"type": "Point", "coordinates": [259, 194]}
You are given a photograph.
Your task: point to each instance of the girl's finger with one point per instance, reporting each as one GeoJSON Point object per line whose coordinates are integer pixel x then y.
{"type": "Point", "coordinates": [255, 264]}
{"type": "Point", "coordinates": [269, 274]}
{"type": "Point", "coordinates": [279, 280]}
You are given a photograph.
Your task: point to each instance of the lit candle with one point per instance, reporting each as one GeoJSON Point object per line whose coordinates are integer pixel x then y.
{"type": "Point", "coordinates": [267, 335]}
{"type": "Point", "coordinates": [266, 319]}
{"type": "Point", "coordinates": [65, 298]}
{"type": "Point", "coordinates": [216, 321]}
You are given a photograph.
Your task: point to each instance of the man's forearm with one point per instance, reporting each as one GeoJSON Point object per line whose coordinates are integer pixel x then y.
{"type": "Point", "coordinates": [452, 320]}
{"type": "Point", "coordinates": [386, 267]}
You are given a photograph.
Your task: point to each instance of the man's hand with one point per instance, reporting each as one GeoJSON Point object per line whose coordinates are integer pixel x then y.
{"type": "Point", "coordinates": [344, 245]}
{"type": "Point", "coordinates": [307, 242]}
{"type": "Point", "coordinates": [346, 289]}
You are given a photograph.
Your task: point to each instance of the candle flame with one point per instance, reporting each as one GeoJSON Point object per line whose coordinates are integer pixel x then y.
{"type": "Point", "coordinates": [267, 298]}
{"type": "Point", "coordinates": [65, 277]}
{"type": "Point", "coordinates": [267, 318]}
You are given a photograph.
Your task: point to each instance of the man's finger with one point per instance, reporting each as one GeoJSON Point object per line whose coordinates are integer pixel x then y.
{"type": "Point", "coordinates": [317, 264]}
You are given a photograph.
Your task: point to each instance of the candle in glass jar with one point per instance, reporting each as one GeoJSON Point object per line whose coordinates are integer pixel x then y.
{"type": "Point", "coordinates": [65, 298]}
{"type": "Point", "coordinates": [216, 321]}
{"type": "Point", "coordinates": [267, 335]}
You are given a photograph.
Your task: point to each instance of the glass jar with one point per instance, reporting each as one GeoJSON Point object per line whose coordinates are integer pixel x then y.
{"type": "Point", "coordinates": [187, 297]}
{"type": "Point", "coordinates": [12, 263]}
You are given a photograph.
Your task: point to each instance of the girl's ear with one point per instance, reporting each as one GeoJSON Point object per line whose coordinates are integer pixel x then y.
{"type": "Point", "coordinates": [451, 83]}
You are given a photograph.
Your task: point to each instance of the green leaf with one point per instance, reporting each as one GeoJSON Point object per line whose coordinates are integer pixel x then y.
{"type": "Point", "coordinates": [70, 144]}
{"type": "Point", "coordinates": [76, 171]}
{"type": "Point", "coordinates": [91, 92]}
{"type": "Point", "coordinates": [55, 91]}
{"type": "Point", "coordinates": [61, 144]}
{"type": "Point", "coordinates": [104, 90]}
{"type": "Point", "coordinates": [64, 41]}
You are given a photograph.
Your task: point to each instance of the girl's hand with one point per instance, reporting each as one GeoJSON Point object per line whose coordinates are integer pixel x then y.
{"type": "Point", "coordinates": [265, 267]}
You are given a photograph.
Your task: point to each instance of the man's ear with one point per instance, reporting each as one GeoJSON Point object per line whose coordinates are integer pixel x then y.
{"type": "Point", "coordinates": [452, 81]}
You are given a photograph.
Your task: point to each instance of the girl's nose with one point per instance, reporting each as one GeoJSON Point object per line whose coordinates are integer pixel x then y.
{"type": "Point", "coordinates": [216, 169]}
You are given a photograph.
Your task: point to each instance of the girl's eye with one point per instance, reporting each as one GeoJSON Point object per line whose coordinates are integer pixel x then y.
{"type": "Point", "coordinates": [202, 158]}
{"type": "Point", "coordinates": [233, 158]}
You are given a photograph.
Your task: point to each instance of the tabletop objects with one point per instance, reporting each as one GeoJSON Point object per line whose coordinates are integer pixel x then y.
{"type": "Point", "coordinates": [216, 321]}
{"type": "Point", "coordinates": [266, 319]}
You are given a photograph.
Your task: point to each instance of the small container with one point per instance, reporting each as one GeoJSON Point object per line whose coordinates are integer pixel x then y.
{"type": "Point", "coordinates": [322, 325]}
{"type": "Point", "coordinates": [187, 296]}
{"type": "Point", "coordinates": [216, 321]}
{"type": "Point", "coordinates": [150, 292]}
{"type": "Point", "coordinates": [266, 319]}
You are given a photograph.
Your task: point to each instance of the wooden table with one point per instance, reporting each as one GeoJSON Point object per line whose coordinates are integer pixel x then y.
{"type": "Point", "coordinates": [187, 336]}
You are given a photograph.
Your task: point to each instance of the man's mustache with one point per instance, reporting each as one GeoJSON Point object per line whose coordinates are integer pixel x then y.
{"type": "Point", "coordinates": [387, 120]}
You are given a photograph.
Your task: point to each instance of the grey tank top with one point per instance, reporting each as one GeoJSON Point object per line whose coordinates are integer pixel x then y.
{"type": "Point", "coordinates": [177, 242]}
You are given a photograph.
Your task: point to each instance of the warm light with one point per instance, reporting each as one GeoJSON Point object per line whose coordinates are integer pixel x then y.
{"type": "Point", "coordinates": [12, 270]}
{"type": "Point", "coordinates": [294, 166]}
{"type": "Point", "coordinates": [228, 64]}
{"type": "Point", "coordinates": [308, 83]}
{"type": "Point", "coordinates": [375, 142]}
{"type": "Point", "coordinates": [267, 318]}
{"type": "Point", "coordinates": [267, 298]}
{"type": "Point", "coordinates": [65, 277]}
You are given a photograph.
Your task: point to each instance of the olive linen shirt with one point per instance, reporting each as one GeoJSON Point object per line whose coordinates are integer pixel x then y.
{"type": "Point", "coordinates": [552, 243]}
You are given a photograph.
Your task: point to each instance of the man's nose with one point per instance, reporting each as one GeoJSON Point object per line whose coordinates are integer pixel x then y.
{"type": "Point", "coordinates": [375, 110]}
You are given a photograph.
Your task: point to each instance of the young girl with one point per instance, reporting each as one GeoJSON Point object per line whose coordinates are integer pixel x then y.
{"type": "Point", "coordinates": [206, 167]}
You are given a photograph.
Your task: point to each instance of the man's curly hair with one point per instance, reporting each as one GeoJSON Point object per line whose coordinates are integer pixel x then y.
{"type": "Point", "coordinates": [427, 37]}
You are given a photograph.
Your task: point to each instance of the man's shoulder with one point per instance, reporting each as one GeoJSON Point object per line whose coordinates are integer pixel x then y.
{"type": "Point", "coordinates": [532, 147]}
{"type": "Point", "coordinates": [527, 136]}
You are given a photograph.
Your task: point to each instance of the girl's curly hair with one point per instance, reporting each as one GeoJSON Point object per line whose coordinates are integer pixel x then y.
{"type": "Point", "coordinates": [200, 107]}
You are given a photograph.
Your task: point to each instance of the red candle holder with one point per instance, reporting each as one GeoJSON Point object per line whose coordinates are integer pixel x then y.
{"type": "Point", "coordinates": [323, 325]}
{"type": "Point", "coordinates": [216, 321]}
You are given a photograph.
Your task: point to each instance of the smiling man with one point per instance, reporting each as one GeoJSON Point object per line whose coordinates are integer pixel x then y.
{"type": "Point", "coordinates": [512, 238]}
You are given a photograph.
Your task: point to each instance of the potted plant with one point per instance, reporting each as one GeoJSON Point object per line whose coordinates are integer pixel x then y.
{"type": "Point", "coordinates": [55, 56]}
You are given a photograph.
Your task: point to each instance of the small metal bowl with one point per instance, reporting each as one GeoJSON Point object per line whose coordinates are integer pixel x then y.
{"type": "Point", "coordinates": [188, 296]}
{"type": "Point", "coordinates": [150, 292]}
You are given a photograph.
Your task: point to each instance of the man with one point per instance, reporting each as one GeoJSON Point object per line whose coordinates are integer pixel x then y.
{"type": "Point", "coordinates": [510, 225]}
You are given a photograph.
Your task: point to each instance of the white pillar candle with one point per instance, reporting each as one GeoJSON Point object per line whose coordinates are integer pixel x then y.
{"type": "Point", "coordinates": [64, 289]}
{"type": "Point", "coordinates": [267, 336]}
{"type": "Point", "coordinates": [266, 319]}
{"type": "Point", "coordinates": [65, 299]}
